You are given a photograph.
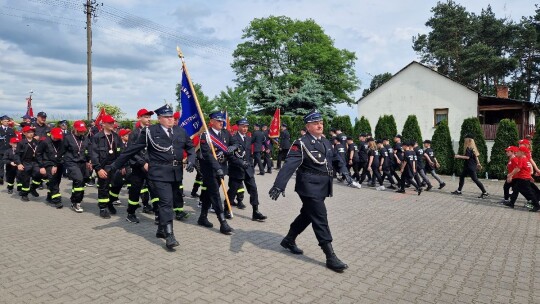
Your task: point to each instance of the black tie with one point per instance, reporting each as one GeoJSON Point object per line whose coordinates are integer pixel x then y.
{"type": "Point", "coordinates": [170, 132]}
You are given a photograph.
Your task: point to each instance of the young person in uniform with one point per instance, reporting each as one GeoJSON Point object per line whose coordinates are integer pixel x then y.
{"type": "Point", "coordinates": [6, 134]}
{"type": "Point", "coordinates": [521, 179]}
{"type": "Point", "coordinates": [510, 166]}
{"type": "Point", "coordinates": [420, 166]}
{"type": "Point", "coordinates": [432, 164]}
{"type": "Point", "coordinates": [472, 163]}
{"type": "Point", "coordinates": [353, 158]}
{"type": "Point", "coordinates": [386, 166]}
{"type": "Point", "coordinates": [49, 155]}
{"type": "Point", "coordinates": [374, 161]}
{"type": "Point", "coordinates": [408, 167]}
{"type": "Point", "coordinates": [11, 166]}
{"type": "Point", "coordinates": [77, 162]}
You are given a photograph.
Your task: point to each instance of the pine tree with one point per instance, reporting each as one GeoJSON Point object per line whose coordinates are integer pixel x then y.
{"type": "Point", "coordinates": [386, 127]}
{"type": "Point", "coordinates": [441, 143]}
{"type": "Point", "coordinates": [361, 126]}
{"type": "Point", "coordinates": [507, 135]}
{"type": "Point", "coordinates": [471, 126]}
{"type": "Point", "coordinates": [411, 130]}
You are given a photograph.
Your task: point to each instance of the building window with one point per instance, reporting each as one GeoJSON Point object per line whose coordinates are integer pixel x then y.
{"type": "Point", "coordinates": [440, 115]}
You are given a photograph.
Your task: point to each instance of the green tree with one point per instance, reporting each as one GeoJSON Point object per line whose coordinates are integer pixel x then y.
{"type": "Point", "coordinates": [377, 81]}
{"type": "Point", "coordinates": [361, 126]}
{"type": "Point", "coordinates": [298, 124]}
{"type": "Point", "coordinates": [441, 143]}
{"type": "Point", "coordinates": [411, 130]}
{"type": "Point", "coordinates": [284, 52]}
{"type": "Point", "coordinates": [235, 101]}
{"type": "Point", "coordinates": [471, 126]}
{"type": "Point", "coordinates": [114, 111]}
{"type": "Point", "coordinates": [343, 123]}
{"type": "Point", "coordinates": [536, 143]}
{"type": "Point", "coordinates": [507, 135]}
{"type": "Point", "coordinates": [386, 127]}
{"type": "Point", "coordinates": [206, 105]}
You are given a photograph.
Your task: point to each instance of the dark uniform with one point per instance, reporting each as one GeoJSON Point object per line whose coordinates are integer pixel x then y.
{"type": "Point", "coordinates": [213, 171]}
{"type": "Point", "coordinates": [391, 164]}
{"type": "Point", "coordinates": [165, 148]}
{"type": "Point", "coordinates": [6, 133]}
{"type": "Point", "coordinates": [353, 159]}
{"type": "Point", "coordinates": [76, 160]}
{"type": "Point", "coordinates": [387, 166]}
{"type": "Point", "coordinates": [409, 166]}
{"type": "Point", "coordinates": [430, 154]}
{"type": "Point", "coordinates": [241, 171]}
{"type": "Point", "coordinates": [420, 165]}
{"type": "Point", "coordinates": [103, 152]}
{"type": "Point", "coordinates": [50, 154]}
{"type": "Point", "coordinates": [11, 171]}
{"type": "Point", "coordinates": [284, 145]}
{"type": "Point", "coordinates": [311, 158]}
{"type": "Point", "coordinates": [258, 139]}
{"type": "Point", "coordinates": [25, 155]}
{"type": "Point", "coordinates": [363, 154]}
{"type": "Point", "coordinates": [268, 163]}
{"type": "Point", "coordinates": [375, 157]}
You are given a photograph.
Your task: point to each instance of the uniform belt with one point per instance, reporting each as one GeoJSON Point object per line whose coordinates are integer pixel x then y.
{"type": "Point", "coordinates": [316, 172]}
{"type": "Point", "coordinates": [174, 163]}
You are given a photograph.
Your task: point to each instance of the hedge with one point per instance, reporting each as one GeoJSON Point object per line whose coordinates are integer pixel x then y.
{"type": "Point", "coordinates": [441, 143]}
{"type": "Point", "coordinates": [507, 135]}
{"type": "Point", "coordinates": [472, 126]}
{"type": "Point", "coordinates": [411, 130]}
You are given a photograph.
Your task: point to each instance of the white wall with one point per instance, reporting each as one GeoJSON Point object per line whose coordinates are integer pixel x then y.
{"type": "Point", "coordinates": [418, 90]}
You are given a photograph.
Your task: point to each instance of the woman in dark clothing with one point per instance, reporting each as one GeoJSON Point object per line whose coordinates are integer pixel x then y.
{"type": "Point", "coordinates": [472, 164]}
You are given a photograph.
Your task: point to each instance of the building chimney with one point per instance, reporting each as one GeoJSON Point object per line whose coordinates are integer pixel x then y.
{"type": "Point", "coordinates": [502, 91]}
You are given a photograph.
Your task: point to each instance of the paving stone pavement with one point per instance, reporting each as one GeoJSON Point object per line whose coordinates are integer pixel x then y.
{"type": "Point", "coordinates": [433, 248]}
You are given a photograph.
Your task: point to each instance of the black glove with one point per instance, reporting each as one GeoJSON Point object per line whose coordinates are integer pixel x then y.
{"type": "Point", "coordinates": [275, 192]}
{"type": "Point", "coordinates": [220, 174]}
{"type": "Point", "coordinates": [348, 179]}
{"type": "Point", "coordinates": [245, 164]}
{"type": "Point", "coordinates": [190, 167]}
{"type": "Point", "coordinates": [231, 149]}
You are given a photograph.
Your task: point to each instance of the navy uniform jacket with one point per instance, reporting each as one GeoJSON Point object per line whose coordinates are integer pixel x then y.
{"type": "Point", "coordinates": [362, 151]}
{"type": "Point", "coordinates": [25, 151]}
{"type": "Point", "coordinates": [163, 166]}
{"type": "Point", "coordinates": [285, 140]}
{"type": "Point", "coordinates": [258, 139]}
{"type": "Point", "coordinates": [46, 154]}
{"type": "Point", "coordinates": [72, 153]}
{"type": "Point", "coordinates": [140, 158]}
{"type": "Point", "coordinates": [42, 130]}
{"type": "Point", "coordinates": [419, 158]}
{"type": "Point", "coordinates": [99, 150]}
{"type": "Point", "coordinates": [243, 153]}
{"type": "Point", "coordinates": [9, 156]}
{"type": "Point", "coordinates": [209, 165]}
{"type": "Point", "coordinates": [5, 136]}
{"type": "Point", "coordinates": [313, 177]}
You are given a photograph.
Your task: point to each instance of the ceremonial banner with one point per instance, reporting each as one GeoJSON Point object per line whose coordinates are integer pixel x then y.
{"type": "Point", "coordinates": [190, 119]}
{"type": "Point", "coordinates": [29, 111]}
{"type": "Point", "coordinates": [275, 125]}
{"type": "Point", "coordinates": [99, 117]}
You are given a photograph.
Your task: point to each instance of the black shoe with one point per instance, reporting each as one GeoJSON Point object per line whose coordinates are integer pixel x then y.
{"type": "Point", "coordinates": [291, 245]}
{"type": "Point", "coordinates": [233, 203]}
{"type": "Point", "coordinates": [111, 208]}
{"type": "Point", "coordinates": [457, 192]}
{"type": "Point", "coordinates": [10, 191]}
{"type": "Point", "coordinates": [24, 198]}
{"type": "Point", "coordinates": [241, 205]}
{"type": "Point", "coordinates": [194, 195]}
{"type": "Point", "coordinates": [401, 191]}
{"type": "Point", "coordinates": [257, 216]}
{"type": "Point", "coordinates": [419, 191]}
{"type": "Point", "coordinates": [104, 213]}
{"type": "Point", "coordinates": [1, 181]}
{"type": "Point", "coordinates": [203, 221]}
{"type": "Point", "coordinates": [34, 193]}
{"type": "Point", "coordinates": [535, 209]}
{"type": "Point", "coordinates": [181, 215]}
{"type": "Point", "coordinates": [269, 172]}
{"type": "Point", "coordinates": [508, 204]}
{"type": "Point", "coordinates": [429, 187]}
{"type": "Point", "coordinates": [147, 209]}
{"type": "Point", "coordinates": [442, 185]}
{"type": "Point", "coordinates": [132, 218]}
{"type": "Point", "coordinates": [260, 173]}
{"type": "Point", "coordinates": [371, 185]}
{"type": "Point", "coordinates": [332, 261]}
{"type": "Point", "coordinates": [160, 233]}
{"type": "Point", "coordinates": [391, 187]}
{"type": "Point", "coordinates": [58, 205]}
{"type": "Point", "coordinates": [225, 228]}
{"type": "Point", "coordinates": [484, 195]}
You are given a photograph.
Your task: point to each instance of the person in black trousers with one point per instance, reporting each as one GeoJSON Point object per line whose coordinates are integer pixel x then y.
{"type": "Point", "coordinates": [258, 139]}
{"type": "Point", "coordinates": [472, 163]}
{"type": "Point", "coordinates": [6, 134]}
{"type": "Point", "coordinates": [49, 155]}
{"type": "Point", "coordinates": [284, 144]}
{"type": "Point", "coordinates": [11, 167]}
{"type": "Point", "coordinates": [311, 157]}
{"type": "Point", "coordinates": [520, 178]}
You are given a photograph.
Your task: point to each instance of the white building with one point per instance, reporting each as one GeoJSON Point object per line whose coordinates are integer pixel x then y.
{"type": "Point", "coordinates": [419, 90]}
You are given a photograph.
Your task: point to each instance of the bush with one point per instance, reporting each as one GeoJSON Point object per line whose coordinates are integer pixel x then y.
{"type": "Point", "coordinates": [507, 135]}
{"type": "Point", "coordinates": [441, 143]}
{"type": "Point", "coordinates": [472, 126]}
{"type": "Point", "coordinates": [361, 126]}
{"type": "Point", "coordinates": [386, 127]}
{"type": "Point", "coordinates": [297, 125]}
{"type": "Point", "coordinates": [411, 130]}
{"type": "Point", "coordinates": [536, 143]}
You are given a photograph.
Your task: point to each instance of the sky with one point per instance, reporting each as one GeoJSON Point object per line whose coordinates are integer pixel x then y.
{"type": "Point", "coordinates": [135, 65]}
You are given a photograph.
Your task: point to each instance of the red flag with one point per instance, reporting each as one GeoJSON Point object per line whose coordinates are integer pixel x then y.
{"type": "Point", "coordinates": [29, 111]}
{"type": "Point", "coordinates": [275, 125]}
{"type": "Point", "coordinates": [99, 117]}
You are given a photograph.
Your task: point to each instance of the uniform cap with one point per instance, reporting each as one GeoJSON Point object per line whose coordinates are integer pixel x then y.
{"type": "Point", "coordinates": [28, 129]}
{"type": "Point", "coordinates": [107, 119]}
{"type": "Point", "coordinates": [313, 116]}
{"type": "Point", "coordinates": [512, 149]}
{"type": "Point", "coordinates": [524, 142]}
{"type": "Point", "coordinates": [57, 133]}
{"type": "Point", "coordinates": [427, 141]}
{"type": "Point", "coordinates": [243, 121]}
{"type": "Point", "coordinates": [26, 116]}
{"type": "Point", "coordinates": [62, 122]}
{"type": "Point", "coordinates": [42, 114]}
{"type": "Point", "coordinates": [14, 140]}
{"type": "Point", "coordinates": [524, 149]}
{"type": "Point", "coordinates": [124, 132]}
{"type": "Point", "coordinates": [79, 126]}
{"type": "Point", "coordinates": [165, 110]}
{"type": "Point", "coordinates": [4, 117]}
{"type": "Point", "coordinates": [219, 116]}
{"type": "Point", "coordinates": [143, 112]}
{"type": "Point", "coordinates": [176, 115]}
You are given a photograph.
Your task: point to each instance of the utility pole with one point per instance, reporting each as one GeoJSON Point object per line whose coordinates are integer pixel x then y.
{"type": "Point", "coordinates": [90, 11]}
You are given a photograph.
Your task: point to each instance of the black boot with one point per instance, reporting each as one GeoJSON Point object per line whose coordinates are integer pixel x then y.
{"type": "Point", "coordinates": [241, 205]}
{"type": "Point", "coordinates": [160, 233]}
{"type": "Point", "coordinates": [289, 243]}
{"type": "Point", "coordinates": [257, 216]}
{"type": "Point", "coordinates": [170, 241]}
{"type": "Point", "coordinates": [224, 228]}
{"type": "Point", "coordinates": [48, 199]}
{"type": "Point", "coordinates": [203, 219]}
{"type": "Point", "coordinates": [332, 260]}
{"type": "Point", "coordinates": [33, 190]}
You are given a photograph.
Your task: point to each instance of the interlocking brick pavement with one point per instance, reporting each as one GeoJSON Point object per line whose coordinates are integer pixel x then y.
{"type": "Point", "coordinates": [433, 248]}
